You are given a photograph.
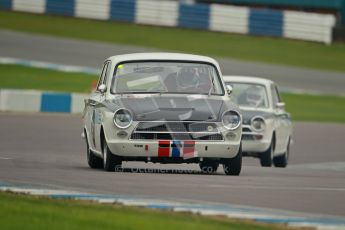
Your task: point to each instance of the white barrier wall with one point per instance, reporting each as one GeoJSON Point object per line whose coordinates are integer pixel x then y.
{"type": "Point", "coordinates": [20, 101]}
{"type": "Point", "coordinates": [153, 12]}
{"type": "Point", "coordinates": [214, 17]}
{"type": "Point", "coordinates": [229, 19]}
{"type": "Point", "coordinates": [88, 9]}
{"type": "Point", "coordinates": [33, 6]}
{"type": "Point", "coordinates": [308, 26]}
{"type": "Point", "coordinates": [12, 100]}
{"type": "Point", "coordinates": [77, 102]}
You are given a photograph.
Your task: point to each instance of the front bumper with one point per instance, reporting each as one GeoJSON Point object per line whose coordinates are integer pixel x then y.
{"type": "Point", "coordinates": [173, 148]}
{"type": "Point", "coordinates": [126, 146]}
{"type": "Point", "coordinates": [255, 146]}
{"type": "Point", "coordinates": [123, 145]}
{"type": "Point", "coordinates": [255, 142]}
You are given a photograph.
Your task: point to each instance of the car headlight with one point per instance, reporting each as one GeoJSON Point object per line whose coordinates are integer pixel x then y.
{"type": "Point", "coordinates": [231, 119]}
{"type": "Point", "coordinates": [258, 124]}
{"type": "Point", "coordinates": [123, 118]}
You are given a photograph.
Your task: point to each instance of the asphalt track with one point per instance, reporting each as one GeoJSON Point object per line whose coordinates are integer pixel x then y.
{"type": "Point", "coordinates": [92, 54]}
{"type": "Point", "coordinates": [47, 150]}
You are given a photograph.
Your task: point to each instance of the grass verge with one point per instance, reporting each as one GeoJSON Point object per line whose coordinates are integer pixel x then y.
{"type": "Point", "coordinates": [20, 77]}
{"type": "Point", "coordinates": [261, 49]}
{"type": "Point", "coordinates": [324, 108]}
{"type": "Point", "coordinates": [303, 107]}
{"type": "Point", "coordinates": [27, 212]}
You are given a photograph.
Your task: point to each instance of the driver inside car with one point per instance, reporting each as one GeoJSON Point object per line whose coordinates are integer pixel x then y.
{"type": "Point", "coordinates": [253, 96]}
{"type": "Point", "coordinates": [188, 79]}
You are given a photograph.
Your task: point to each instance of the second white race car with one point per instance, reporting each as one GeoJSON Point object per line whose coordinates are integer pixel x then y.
{"type": "Point", "coordinates": [267, 127]}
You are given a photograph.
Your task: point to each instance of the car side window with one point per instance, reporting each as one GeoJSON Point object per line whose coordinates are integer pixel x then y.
{"type": "Point", "coordinates": [103, 77]}
{"type": "Point", "coordinates": [275, 95]}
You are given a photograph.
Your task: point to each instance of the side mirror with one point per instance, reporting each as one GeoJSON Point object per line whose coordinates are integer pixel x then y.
{"type": "Point", "coordinates": [280, 105]}
{"type": "Point", "coordinates": [228, 89]}
{"type": "Point", "coordinates": [102, 88]}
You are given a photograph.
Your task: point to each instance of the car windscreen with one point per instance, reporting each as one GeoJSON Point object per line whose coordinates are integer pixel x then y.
{"type": "Point", "coordinates": [249, 94]}
{"type": "Point", "coordinates": [166, 77]}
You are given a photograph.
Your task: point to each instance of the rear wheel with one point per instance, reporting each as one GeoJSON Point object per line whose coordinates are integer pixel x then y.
{"type": "Point", "coordinates": [110, 161]}
{"type": "Point", "coordinates": [92, 160]}
{"type": "Point", "coordinates": [233, 166]}
{"type": "Point", "coordinates": [281, 161]}
{"type": "Point", "coordinates": [209, 166]}
{"type": "Point", "coordinates": [266, 158]}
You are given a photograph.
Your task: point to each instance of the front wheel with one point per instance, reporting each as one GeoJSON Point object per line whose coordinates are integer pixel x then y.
{"type": "Point", "coordinates": [209, 166]}
{"type": "Point", "coordinates": [110, 161]}
{"type": "Point", "coordinates": [266, 158]}
{"type": "Point", "coordinates": [281, 161]}
{"type": "Point", "coordinates": [233, 166]}
{"type": "Point", "coordinates": [93, 161]}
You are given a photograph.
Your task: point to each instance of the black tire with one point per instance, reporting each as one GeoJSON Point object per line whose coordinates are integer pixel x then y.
{"type": "Point", "coordinates": [281, 161]}
{"type": "Point", "coordinates": [233, 166]}
{"type": "Point", "coordinates": [209, 166]}
{"type": "Point", "coordinates": [93, 161]}
{"type": "Point", "coordinates": [266, 158]}
{"type": "Point", "coordinates": [110, 161]}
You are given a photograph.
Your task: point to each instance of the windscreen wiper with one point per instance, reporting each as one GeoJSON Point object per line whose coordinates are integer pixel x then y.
{"type": "Point", "coordinates": [212, 87]}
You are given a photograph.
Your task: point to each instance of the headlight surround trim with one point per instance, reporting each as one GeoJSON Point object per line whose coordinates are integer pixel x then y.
{"type": "Point", "coordinates": [258, 118]}
{"type": "Point", "coordinates": [227, 125]}
{"type": "Point", "coordinates": [126, 111]}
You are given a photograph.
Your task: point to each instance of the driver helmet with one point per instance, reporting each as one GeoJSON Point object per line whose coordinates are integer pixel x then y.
{"type": "Point", "coordinates": [188, 77]}
{"type": "Point", "coordinates": [254, 96]}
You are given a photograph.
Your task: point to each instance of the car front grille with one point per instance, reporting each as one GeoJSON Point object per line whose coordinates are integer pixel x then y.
{"type": "Point", "coordinates": [176, 131]}
{"type": "Point", "coordinates": [246, 137]}
{"type": "Point", "coordinates": [175, 136]}
{"type": "Point", "coordinates": [176, 127]}
{"type": "Point", "coordinates": [246, 129]}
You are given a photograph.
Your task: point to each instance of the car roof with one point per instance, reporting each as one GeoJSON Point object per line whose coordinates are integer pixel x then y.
{"type": "Point", "coordinates": [248, 79]}
{"type": "Point", "coordinates": [162, 56]}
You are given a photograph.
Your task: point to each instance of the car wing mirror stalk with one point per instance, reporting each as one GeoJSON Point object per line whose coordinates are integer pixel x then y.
{"type": "Point", "coordinates": [280, 105]}
{"type": "Point", "coordinates": [102, 88]}
{"type": "Point", "coordinates": [228, 89]}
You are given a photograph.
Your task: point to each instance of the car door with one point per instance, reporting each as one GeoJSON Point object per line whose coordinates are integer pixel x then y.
{"type": "Point", "coordinates": [281, 120]}
{"type": "Point", "coordinates": [94, 110]}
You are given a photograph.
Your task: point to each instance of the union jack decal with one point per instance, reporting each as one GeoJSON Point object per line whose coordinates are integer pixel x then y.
{"type": "Point", "coordinates": [174, 148]}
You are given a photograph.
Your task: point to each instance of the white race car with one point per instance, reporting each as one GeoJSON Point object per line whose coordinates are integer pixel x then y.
{"type": "Point", "coordinates": [267, 127]}
{"type": "Point", "coordinates": [164, 108]}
